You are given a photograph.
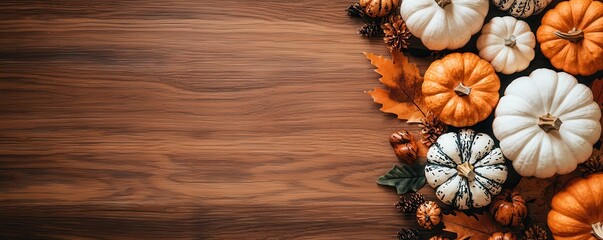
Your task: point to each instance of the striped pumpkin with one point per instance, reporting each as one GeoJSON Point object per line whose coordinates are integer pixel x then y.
{"type": "Point", "coordinates": [465, 169]}
{"type": "Point", "coordinates": [521, 8]}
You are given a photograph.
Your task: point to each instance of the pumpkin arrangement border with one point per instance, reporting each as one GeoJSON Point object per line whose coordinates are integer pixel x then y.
{"type": "Point", "coordinates": [491, 190]}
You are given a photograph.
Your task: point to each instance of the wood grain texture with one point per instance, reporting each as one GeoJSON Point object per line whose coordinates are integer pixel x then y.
{"type": "Point", "coordinates": [182, 119]}
{"type": "Point", "coordinates": [229, 119]}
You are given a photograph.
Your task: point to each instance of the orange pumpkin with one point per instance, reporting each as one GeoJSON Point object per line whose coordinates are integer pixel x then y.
{"type": "Point", "coordinates": [429, 214]}
{"type": "Point", "coordinates": [577, 210]}
{"type": "Point", "coordinates": [378, 8]}
{"type": "Point", "coordinates": [509, 208]}
{"type": "Point", "coordinates": [461, 89]}
{"type": "Point", "coordinates": [571, 36]}
{"type": "Point", "coordinates": [502, 236]}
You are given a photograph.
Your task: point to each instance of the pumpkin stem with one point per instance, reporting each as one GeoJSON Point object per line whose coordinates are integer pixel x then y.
{"type": "Point", "coordinates": [549, 122]}
{"type": "Point", "coordinates": [466, 170]}
{"type": "Point", "coordinates": [598, 230]}
{"type": "Point", "coordinates": [574, 35]}
{"type": "Point", "coordinates": [462, 90]}
{"type": "Point", "coordinates": [443, 3]}
{"type": "Point", "coordinates": [510, 41]}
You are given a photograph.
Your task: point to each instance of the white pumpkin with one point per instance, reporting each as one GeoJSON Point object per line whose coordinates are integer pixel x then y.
{"type": "Point", "coordinates": [547, 123]}
{"type": "Point", "coordinates": [507, 43]}
{"type": "Point", "coordinates": [521, 8]}
{"type": "Point", "coordinates": [444, 24]}
{"type": "Point", "coordinates": [465, 169]}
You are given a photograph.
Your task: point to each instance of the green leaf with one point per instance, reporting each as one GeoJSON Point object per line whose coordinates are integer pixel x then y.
{"type": "Point", "coordinates": [404, 178]}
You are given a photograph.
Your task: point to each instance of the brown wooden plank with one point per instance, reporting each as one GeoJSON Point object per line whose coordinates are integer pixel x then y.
{"type": "Point", "coordinates": [183, 119]}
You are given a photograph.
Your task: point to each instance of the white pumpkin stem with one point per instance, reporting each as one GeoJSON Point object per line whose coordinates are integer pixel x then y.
{"type": "Point", "coordinates": [462, 90]}
{"type": "Point", "coordinates": [598, 230]}
{"type": "Point", "coordinates": [574, 35]}
{"type": "Point", "coordinates": [466, 170]}
{"type": "Point", "coordinates": [511, 41]}
{"type": "Point", "coordinates": [549, 122]}
{"type": "Point", "coordinates": [443, 3]}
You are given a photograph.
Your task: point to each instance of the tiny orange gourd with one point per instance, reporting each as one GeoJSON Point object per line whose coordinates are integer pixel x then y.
{"type": "Point", "coordinates": [571, 36]}
{"type": "Point", "coordinates": [429, 215]}
{"type": "Point", "coordinates": [378, 8]}
{"type": "Point", "coordinates": [577, 210]}
{"type": "Point", "coordinates": [509, 208]}
{"type": "Point", "coordinates": [461, 89]}
{"type": "Point", "coordinates": [502, 236]}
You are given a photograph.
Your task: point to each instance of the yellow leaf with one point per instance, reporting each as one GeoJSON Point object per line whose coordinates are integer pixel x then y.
{"type": "Point", "coordinates": [403, 80]}
{"type": "Point", "coordinates": [478, 227]}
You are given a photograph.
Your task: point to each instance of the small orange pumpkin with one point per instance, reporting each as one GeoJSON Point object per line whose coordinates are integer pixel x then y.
{"type": "Point", "coordinates": [571, 36]}
{"type": "Point", "coordinates": [461, 89]}
{"type": "Point", "coordinates": [509, 208]}
{"type": "Point", "coordinates": [378, 8]}
{"type": "Point", "coordinates": [577, 210]}
{"type": "Point", "coordinates": [429, 215]}
{"type": "Point", "coordinates": [502, 236]}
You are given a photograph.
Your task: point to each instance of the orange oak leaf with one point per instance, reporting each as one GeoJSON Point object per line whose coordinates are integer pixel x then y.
{"type": "Point", "coordinates": [403, 80]}
{"type": "Point", "coordinates": [597, 88]}
{"type": "Point", "coordinates": [477, 227]}
{"type": "Point", "coordinates": [539, 192]}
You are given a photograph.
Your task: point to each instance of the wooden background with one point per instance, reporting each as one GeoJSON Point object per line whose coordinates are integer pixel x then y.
{"type": "Point", "coordinates": [228, 119]}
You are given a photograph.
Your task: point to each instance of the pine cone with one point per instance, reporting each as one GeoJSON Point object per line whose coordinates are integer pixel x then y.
{"type": "Point", "coordinates": [372, 29]}
{"type": "Point", "coordinates": [355, 10]}
{"type": "Point", "coordinates": [594, 164]}
{"type": "Point", "coordinates": [535, 232]}
{"type": "Point", "coordinates": [408, 234]}
{"type": "Point", "coordinates": [410, 204]}
{"type": "Point", "coordinates": [431, 128]}
{"type": "Point", "coordinates": [396, 33]}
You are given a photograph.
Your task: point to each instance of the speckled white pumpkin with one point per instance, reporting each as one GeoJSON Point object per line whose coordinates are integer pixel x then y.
{"type": "Point", "coordinates": [521, 8]}
{"type": "Point", "coordinates": [465, 169]}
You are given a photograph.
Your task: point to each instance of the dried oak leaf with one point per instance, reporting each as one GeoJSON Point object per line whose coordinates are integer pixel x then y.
{"type": "Point", "coordinates": [597, 88]}
{"type": "Point", "coordinates": [541, 191]}
{"type": "Point", "coordinates": [403, 80]}
{"type": "Point", "coordinates": [476, 227]}
{"type": "Point", "coordinates": [533, 189]}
